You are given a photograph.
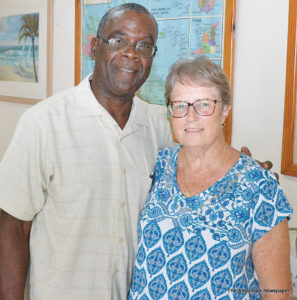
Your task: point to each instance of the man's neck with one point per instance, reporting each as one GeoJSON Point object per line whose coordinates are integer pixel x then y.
{"type": "Point", "coordinates": [118, 107]}
{"type": "Point", "coordinates": [119, 110]}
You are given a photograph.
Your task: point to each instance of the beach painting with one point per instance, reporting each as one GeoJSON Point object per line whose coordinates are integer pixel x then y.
{"type": "Point", "coordinates": [19, 48]}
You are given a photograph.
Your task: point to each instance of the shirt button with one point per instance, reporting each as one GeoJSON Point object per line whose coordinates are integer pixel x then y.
{"type": "Point", "coordinates": [124, 171]}
{"type": "Point", "coordinates": [121, 240]}
{"type": "Point", "coordinates": [123, 204]}
{"type": "Point", "coordinates": [115, 271]}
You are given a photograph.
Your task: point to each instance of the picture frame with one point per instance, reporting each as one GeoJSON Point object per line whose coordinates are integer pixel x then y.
{"type": "Point", "coordinates": [227, 48]}
{"type": "Point", "coordinates": [26, 63]}
{"type": "Point", "coordinates": [289, 144]}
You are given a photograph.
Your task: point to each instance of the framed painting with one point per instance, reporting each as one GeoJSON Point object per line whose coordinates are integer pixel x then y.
{"type": "Point", "coordinates": [25, 50]}
{"type": "Point", "coordinates": [289, 148]}
{"type": "Point", "coordinates": [186, 29]}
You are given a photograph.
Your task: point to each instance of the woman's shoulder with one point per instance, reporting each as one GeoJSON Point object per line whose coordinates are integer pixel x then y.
{"type": "Point", "coordinates": [249, 167]}
{"type": "Point", "coordinates": [168, 151]}
{"type": "Point", "coordinates": [166, 161]}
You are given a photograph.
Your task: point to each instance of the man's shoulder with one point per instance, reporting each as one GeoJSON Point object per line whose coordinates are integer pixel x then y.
{"type": "Point", "coordinates": [61, 103]}
{"type": "Point", "coordinates": [54, 101]}
{"type": "Point", "coordinates": [153, 107]}
{"type": "Point", "coordinates": [152, 110]}
{"type": "Point", "coordinates": [155, 117]}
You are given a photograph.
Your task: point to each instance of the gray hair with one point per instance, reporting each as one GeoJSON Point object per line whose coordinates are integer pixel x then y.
{"type": "Point", "coordinates": [115, 11]}
{"type": "Point", "coordinates": [200, 71]}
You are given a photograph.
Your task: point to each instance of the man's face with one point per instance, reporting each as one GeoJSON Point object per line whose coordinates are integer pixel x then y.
{"type": "Point", "coordinates": [121, 73]}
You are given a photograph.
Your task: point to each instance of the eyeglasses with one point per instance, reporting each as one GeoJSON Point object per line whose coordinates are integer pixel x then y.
{"type": "Point", "coordinates": [118, 44]}
{"type": "Point", "coordinates": [202, 107]}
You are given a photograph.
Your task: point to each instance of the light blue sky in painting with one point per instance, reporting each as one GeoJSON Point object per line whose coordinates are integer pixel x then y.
{"type": "Point", "coordinates": [9, 31]}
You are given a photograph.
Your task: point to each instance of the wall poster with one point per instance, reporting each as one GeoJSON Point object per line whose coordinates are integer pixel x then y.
{"type": "Point", "coordinates": [25, 50]}
{"type": "Point", "coordinates": [187, 28]}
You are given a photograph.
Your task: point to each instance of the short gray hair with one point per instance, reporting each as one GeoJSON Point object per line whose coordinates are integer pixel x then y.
{"type": "Point", "coordinates": [200, 71]}
{"type": "Point", "coordinates": [111, 13]}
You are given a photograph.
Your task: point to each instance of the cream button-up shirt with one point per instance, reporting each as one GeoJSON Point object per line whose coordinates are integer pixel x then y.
{"type": "Point", "coordinates": [83, 181]}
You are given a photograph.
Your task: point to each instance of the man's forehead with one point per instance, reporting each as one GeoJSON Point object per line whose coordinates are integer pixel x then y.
{"type": "Point", "coordinates": [127, 15]}
{"type": "Point", "coordinates": [118, 14]}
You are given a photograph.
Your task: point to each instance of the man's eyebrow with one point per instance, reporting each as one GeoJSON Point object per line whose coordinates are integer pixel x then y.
{"type": "Point", "coordinates": [150, 36]}
{"type": "Point", "coordinates": [123, 33]}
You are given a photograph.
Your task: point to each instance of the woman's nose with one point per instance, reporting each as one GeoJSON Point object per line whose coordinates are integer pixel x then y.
{"type": "Point", "coordinates": [191, 115]}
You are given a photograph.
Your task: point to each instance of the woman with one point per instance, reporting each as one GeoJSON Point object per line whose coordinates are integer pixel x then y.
{"type": "Point", "coordinates": [215, 224]}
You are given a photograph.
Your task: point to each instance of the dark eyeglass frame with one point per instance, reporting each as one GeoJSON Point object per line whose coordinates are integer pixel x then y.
{"type": "Point", "coordinates": [192, 104]}
{"type": "Point", "coordinates": [124, 49]}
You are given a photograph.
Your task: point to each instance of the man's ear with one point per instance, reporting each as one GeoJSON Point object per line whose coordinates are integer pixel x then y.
{"type": "Point", "coordinates": [94, 43]}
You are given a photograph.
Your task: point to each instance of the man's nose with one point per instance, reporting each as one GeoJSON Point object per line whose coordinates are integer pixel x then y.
{"type": "Point", "coordinates": [131, 51]}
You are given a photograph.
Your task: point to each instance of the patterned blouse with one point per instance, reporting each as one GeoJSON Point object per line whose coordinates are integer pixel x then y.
{"type": "Point", "coordinates": [201, 247]}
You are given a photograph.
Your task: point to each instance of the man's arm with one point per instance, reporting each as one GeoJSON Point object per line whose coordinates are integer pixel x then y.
{"type": "Point", "coordinates": [14, 256]}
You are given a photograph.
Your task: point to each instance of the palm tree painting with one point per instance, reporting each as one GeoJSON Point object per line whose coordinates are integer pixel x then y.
{"type": "Point", "coordinates": [19, 48]}
{"type": "Point", "coordinates": [30, 29]}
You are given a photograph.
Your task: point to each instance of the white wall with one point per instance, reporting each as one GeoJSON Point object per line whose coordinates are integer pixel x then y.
{"type": "Point", "coordinates": [63, 45]}
{"type": "Point", "coordinates": [259, 84]}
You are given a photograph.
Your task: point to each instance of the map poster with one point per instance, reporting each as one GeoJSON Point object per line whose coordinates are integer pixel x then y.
{"type": "Point", "coordinates": [187, 28]}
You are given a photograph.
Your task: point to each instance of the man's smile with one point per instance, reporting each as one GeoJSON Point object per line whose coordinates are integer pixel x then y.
{"type": "Point", "coordinates": [127, 70]}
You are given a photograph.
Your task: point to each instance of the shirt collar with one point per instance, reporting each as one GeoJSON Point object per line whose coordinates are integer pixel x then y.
{"type": "Point", "coordinates": [86, 102]}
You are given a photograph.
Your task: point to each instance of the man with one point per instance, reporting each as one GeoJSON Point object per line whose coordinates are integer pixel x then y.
{"type": "Point", "coordinates": [78, 170]}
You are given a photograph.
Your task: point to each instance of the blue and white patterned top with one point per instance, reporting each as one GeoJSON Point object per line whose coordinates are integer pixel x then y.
{"type": "Point", "coordinates": [200, 247]}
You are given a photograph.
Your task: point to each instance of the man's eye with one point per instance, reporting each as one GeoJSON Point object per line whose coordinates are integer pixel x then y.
{"type": "Point", "coordinates": [142, 45]}
{"type": "Point", "coordinates": [117, 42]}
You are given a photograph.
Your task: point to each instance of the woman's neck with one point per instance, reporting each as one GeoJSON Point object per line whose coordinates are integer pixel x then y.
{"type": "Point", "coordinates": [199, 168]}
{"type": "Point", "coordinates": [206, 157]}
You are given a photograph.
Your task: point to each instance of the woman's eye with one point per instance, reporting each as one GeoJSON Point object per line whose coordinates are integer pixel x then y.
{"type": "Point", "coordinates": [204, 104]}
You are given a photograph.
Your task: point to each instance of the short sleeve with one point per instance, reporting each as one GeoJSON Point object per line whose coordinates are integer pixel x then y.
{"type": "Point", "coordinates": [164, 164]}
{"type": "Point", "coordinates": [271, 207]}
{"type": "Point", "coordinates": [22, 170]}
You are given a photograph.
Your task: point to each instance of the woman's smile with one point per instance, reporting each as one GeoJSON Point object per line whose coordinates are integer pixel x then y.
{"type": "Point", "coordinates": [193, 130]}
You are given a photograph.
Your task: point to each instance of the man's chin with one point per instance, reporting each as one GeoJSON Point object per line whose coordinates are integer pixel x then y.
{"type": "Point", "coordinates": [123, 93]}
{"type": "Point", "coordinates": [127, 89]}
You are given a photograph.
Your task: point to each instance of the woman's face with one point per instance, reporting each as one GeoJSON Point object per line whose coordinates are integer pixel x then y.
{"type": "Point", "coordinates": [194, 130]}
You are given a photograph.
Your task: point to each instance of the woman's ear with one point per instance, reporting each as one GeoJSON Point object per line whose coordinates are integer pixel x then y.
{"type": "Point", "coordinates": [225, 113]}
{"type": "Point", "coordinates": [169, 115]}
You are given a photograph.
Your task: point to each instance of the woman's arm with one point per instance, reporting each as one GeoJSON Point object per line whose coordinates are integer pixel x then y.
{"type": "Point", "coordinates": [271, 258]}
